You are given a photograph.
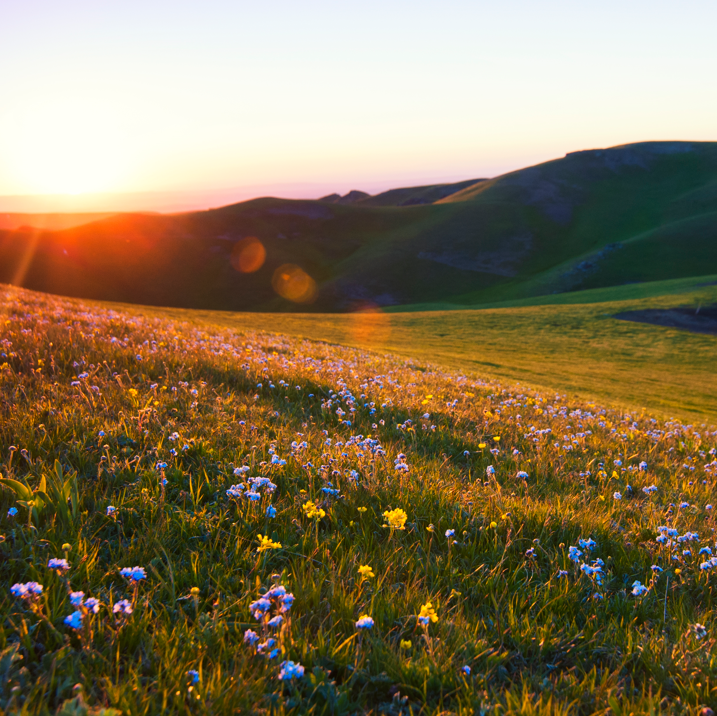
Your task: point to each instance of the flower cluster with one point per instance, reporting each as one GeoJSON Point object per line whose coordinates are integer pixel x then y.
{"type": "Point", "coordinates": [266, 543]}
{"type": "Point", "coordinates": [290, 670]}
{"type": "Point", "coordinates": [269, 610]}
{"type": "Point", "coordinates": [395, 519]}
{"type": "Point", "coordinates": [364, 622]}
{"type": "Point", "coordinates": [427, 614]}
{"type": "Point", "coordinates": [29, 590]}
{"type": "Point", "coordinates": [133, 574]}
{"type": "Point", "coordinates": [312, 511]}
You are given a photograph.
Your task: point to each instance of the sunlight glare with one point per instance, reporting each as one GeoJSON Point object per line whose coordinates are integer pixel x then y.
{"type": "Point", "coordinates": [248, 255]}
{"type": "Point", "coordinates": [294, 284]}
{"type": "Point", "coordinates": [68, 156]}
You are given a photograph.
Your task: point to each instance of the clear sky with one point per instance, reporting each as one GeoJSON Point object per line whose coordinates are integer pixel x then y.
{"type": "Point", "coordinates": [306, 97]}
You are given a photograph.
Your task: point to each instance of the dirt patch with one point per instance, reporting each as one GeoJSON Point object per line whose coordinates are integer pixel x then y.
{"type": "Point", "coordinates": [702, 320]}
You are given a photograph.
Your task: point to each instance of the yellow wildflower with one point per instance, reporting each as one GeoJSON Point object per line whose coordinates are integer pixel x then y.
{"type": "Point", "coordinates": [427, 613]}
{"type": "Point", "coordinates": [312, 511]}
{"type": "Point", "coordinates": [366, 572]}
{"type": "Point", "coordinates": [132, 392]}
{"type": "Point", "coordinates": [406, 644]}
{"type": "Point", "coordinates": [481, 445]}
{"type": "Point", "coordinates": [497, 438]}
{"type": "Point", "coordinates": [267, 543]}
{"type": "Point", "coordinates": [362, 509]}
{"type": "Point", "coordinates": [396, 519]}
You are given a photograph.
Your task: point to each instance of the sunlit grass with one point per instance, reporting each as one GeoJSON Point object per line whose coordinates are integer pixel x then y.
{"type": "Point", "coordinates": [157, 420]}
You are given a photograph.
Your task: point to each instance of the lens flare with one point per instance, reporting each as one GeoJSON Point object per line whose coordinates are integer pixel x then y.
{"type": "Point", "coordinates": [294, 284]}
{"type": "Point", "coordinates": [248, 255]}
{"type": "Point", "coordinates": [369, 325]}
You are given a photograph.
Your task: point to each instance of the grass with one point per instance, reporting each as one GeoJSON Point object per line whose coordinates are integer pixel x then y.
{"type": "Point", "coordinates": [156, 418]}
{"type": "Point", "coordinates": [578, 348]}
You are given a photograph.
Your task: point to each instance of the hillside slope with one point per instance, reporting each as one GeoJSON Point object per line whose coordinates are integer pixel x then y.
{"type": "Point", "coordinates": [640, 212]}
{"type": "Point", "coordinates": [217, 520]}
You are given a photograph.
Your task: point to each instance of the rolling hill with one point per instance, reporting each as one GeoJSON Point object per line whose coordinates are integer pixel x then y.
{"type": "Point", "coordinates": [595, 218]}
{"type": "Point", "coordinates": [50, 222]}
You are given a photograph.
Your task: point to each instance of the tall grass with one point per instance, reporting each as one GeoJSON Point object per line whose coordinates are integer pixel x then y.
{"type": "Point", "coordinates": [157, 420]}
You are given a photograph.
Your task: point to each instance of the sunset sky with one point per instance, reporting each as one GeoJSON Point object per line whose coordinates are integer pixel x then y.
{"type": "Point", "coordinates": [217, 101]}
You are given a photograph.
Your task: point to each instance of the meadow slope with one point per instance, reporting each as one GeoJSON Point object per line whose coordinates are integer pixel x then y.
{"type": "Point", "coordinates": [203, 519]}
{"type": "Point", "coordinates": [573, 344]}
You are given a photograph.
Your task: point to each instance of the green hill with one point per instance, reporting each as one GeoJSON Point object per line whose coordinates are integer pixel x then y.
{"type": "Point", "coordinates": [597, 218]}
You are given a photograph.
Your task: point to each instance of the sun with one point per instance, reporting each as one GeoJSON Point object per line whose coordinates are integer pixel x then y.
{"type": "Point", "coordinates": [75, 169]}
{"type": "Point", "coordinates": [68, 157]}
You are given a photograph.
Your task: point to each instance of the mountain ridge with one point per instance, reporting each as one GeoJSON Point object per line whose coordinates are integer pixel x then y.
{"type": "Point", "coordinates": [600, 217]}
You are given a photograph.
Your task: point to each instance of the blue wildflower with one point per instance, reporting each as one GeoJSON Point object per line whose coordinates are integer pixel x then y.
{"type": "Point", "coordinates": [290, 670]}
{"type": "Point", "coordinates": [364, 622]}
{"type": "Point", "coordinates": [74, 620]}
{"type": "Point", "coordinates": [61, 565]}
{"type": "Point", "coordinates": [251, 637]}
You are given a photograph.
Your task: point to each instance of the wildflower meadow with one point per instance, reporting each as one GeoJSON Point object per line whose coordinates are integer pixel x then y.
{"type": "Point", "coordinates": [200, 520]}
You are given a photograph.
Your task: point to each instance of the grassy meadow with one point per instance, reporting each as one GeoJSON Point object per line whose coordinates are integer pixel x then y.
{"type": "Point", "coordinates": [203, 519]}
{"type": "Point", "coordinates": [570, 343]}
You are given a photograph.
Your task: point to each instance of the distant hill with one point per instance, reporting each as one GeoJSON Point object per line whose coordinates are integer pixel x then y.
{"type": "Point", "coordinates": [596, 218]}
{"type": "Point", "coordinates": [410, 196]}
{"type": "Point", "coordinates": [50, 222]}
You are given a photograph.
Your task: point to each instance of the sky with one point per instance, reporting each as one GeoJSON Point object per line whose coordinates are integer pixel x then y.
{"type": "Point", "coordinates": [159, 105]}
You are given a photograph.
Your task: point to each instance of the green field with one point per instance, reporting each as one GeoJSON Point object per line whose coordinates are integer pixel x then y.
{"type": "Point", "coordinates": [572, 344]}
{"type": "Point", "coordinates": [452, 544]}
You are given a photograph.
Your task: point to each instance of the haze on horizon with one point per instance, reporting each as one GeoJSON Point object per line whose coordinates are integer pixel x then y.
{"type": "Point", "coordinates": [139, 103]}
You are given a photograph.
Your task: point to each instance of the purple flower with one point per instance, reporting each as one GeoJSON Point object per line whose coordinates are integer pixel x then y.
{"type": "Point", "coordinates": [123, 608]}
